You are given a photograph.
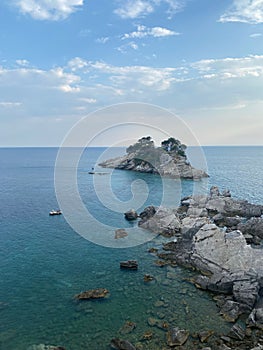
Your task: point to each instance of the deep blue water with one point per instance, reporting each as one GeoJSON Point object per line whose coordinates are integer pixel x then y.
{"type": "Point", "coordinates": [44, 263]}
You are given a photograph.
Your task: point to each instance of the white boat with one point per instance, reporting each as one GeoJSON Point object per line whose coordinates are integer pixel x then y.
{"type": "Point", "coordinates": [55, 212]}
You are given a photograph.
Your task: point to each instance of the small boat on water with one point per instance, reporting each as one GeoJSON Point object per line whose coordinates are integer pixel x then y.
{"type": "Point", "coordinates": [55, 212]}
{"type": "Point", "coordinates": [129, 264]}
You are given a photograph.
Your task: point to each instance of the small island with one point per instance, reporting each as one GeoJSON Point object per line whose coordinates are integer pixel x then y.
{"type": "Point", "coordinates": [168, 160]}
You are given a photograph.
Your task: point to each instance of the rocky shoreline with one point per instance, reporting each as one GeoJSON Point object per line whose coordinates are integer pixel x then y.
{"type": "Point", "coordinates": [169, 160]}
{"type": "Point", "coordinates": [220, 237]}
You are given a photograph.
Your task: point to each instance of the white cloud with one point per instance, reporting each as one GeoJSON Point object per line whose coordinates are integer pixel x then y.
{"type": "Point", "coordinates": [130, 45]}
{"type": "Point", "coordinates": [10, 104]}
{"type": "Point", "coordinates": [68, 88]}
{"type": "Point", "coordinates": [141, 8]}
{"type": "Point", "coordinates": [211, 91]}
{"type": "Point", "coordinates": [174, 6]}
{"type": "Point", "coordinates": [137, 77]}
{"type": "Point", "coordinates": [255, 35]}
{"type": "Point", "coordinates": [23, 63]}
{"type": "Point", "coordinates": [155, 32]}
{"type": "Point", "coordinates": [228, 68]}
{"type": "Point", "coordinates": [88, 100]}
{"type": "Point", "coordinates": [134, 9]}
{"type": "Point", "coordinates": [103, 40]}
{"type": "Point", "coordinates": [54, 10]}
{"type": "Point", "coordinates": [77, 63]}
{"type": "Point", "coordinates": [247, 11]}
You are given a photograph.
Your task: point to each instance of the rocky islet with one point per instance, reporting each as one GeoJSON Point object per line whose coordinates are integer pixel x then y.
{"type": "Point", "coordinates": [168, 160]}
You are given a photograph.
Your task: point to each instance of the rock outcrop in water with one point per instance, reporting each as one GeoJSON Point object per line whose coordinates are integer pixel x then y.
{"type": "Point", "coordinates": [98, 293]}
{"type": "Point", "coordinates": [168, 160]}
{"type": "Point", "coordinates": [209, 237]}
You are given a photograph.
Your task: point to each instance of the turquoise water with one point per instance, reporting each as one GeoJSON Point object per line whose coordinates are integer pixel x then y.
{"type": "Point", "coordinates": [44, 263]}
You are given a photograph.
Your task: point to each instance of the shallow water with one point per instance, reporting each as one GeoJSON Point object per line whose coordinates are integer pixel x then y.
{"type": "Point", "coordinates": [44, 263]}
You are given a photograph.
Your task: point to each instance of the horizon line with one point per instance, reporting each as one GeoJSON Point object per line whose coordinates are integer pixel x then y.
{"type": "Point", "coordinates": [107, 146]}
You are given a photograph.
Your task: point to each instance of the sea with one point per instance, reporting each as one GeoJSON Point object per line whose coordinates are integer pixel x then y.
{"type": "Point", "coordinates": [45, 261]}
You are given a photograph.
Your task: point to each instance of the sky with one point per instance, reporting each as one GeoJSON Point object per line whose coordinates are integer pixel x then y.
{"type": "Point", "coordinates": [61, 60]}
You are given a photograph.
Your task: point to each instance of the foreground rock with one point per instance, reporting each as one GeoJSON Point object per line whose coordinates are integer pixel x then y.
{"type": "Point", "coordinates": [168, 160]}
{"type": "Point", "coordinates": [211, 235]}
{"type": "Point", "coordinates": [98, 293]}
{"type": "Point", "coordinates": [120, 344]}
{"type": "Point", "coordinates": [160, 221]}
{"type": "Point", "coordinates": [176, 336]}
{"type": "Point", "coordinates": [131, 215]}
{"type": "Point", "coordinates": [235, 267]}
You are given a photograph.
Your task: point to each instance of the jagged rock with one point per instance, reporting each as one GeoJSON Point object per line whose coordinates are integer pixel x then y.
{"type": "Point", "coordinates": [237, 332]}
{"type": "Point", "coordinates": [214, 191]}
{"type": "Point", "coordinates": [214, 249]}
{"type": "Point", "coordinates": [176, 336]}
{"type": "Point", "coordinates": [193, 211]}
{"type": "Point", "coordinates": [224, 347]}
{"type": "Point", "coordinates": [255, 318]}
{"type": "Point", "coordinates": [228, 221]}
{"type": "Point", "coordinates": [230, 310]}
{"type": "Point", "coordinates": [205, 335]}
{"type": "Point", "coordinates": [164, 221]}
{"type": "Point", "coordinates": [98, 293]}
{"type": "Point", "coordinates": [258, 347]}
{"type": "Point", "coordinates": [147, 213]}
{"type": "Point", "coordinates": [253, 226]}
{"type": "Point", "coordinates": [225, 205]}
{"type": "Point", "coordinates": [190, 226]}
{"type": "Point", "coordinates": [226, 193]}
{"type": "Point", "coordinates": [246, 292]}
{"type": "Point", "coordinates": [120, 344]}
{"type": "Point", "coordinates": [120, 233]}
{"type": "Point", "coordinates": [131, 215]}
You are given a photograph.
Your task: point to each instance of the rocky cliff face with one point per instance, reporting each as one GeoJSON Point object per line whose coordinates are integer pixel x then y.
{"type": "Point", "coordinates": [169, 160]}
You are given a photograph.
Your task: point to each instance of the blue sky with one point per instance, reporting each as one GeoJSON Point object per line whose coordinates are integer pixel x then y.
{"type": "Point", "coordinates": [62, 59]}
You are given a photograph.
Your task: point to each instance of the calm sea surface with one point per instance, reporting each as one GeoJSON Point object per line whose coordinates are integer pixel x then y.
{"type": "Point", "coordinates": [44, 263]}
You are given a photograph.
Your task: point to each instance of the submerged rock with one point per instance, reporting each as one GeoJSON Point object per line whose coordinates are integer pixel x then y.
{"type": "Point", "coordinates": [176, 336]}
{"type": "Point", "coordinates": [128, 327]}
{"type": "Point", "coordinates": [205, 335]}
{"type": "Point", "coordinates": [120, 344]}
{"type": "Point", "coordinates": [147, 335]}
{"type": "Point", "coordinates": [98, 293]}
{"type": "Point", "coordinates": [120, 233]}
